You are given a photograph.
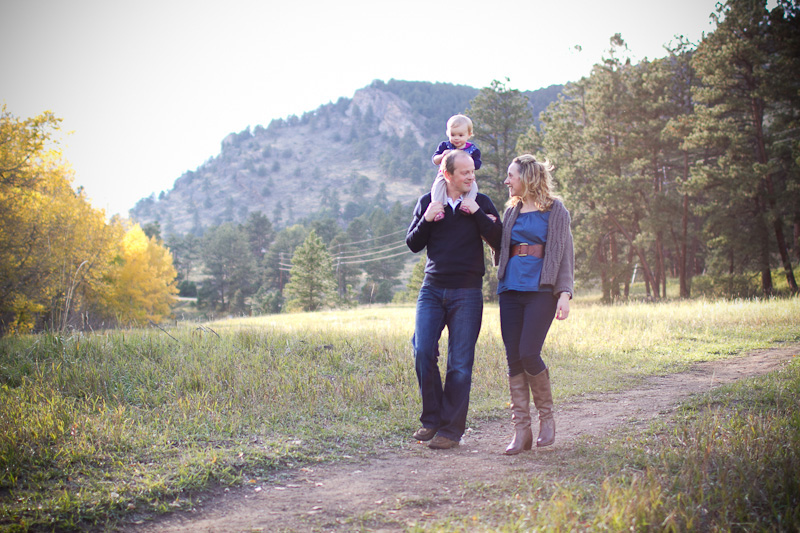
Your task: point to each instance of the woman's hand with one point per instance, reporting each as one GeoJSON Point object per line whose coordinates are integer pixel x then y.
{"type": "Point", "coordinates": [562, 307]}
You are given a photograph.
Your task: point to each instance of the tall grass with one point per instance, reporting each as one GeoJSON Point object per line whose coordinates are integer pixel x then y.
{"type": "Point", "coordinates": [729, 462]}
{"type": "Point", "coordinates": [93, 427]}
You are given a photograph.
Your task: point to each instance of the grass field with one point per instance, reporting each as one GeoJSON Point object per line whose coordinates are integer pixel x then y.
{"type": "Point", "coordinates": [96, 427]}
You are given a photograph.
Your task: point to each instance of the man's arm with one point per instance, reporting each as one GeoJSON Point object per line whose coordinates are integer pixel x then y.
{"type": "Point", "coordinates": [420, 229]}
{"type": "Point", "coordinates": [491, 230]}
{"type": "Point", "coordinates": [483, 210]}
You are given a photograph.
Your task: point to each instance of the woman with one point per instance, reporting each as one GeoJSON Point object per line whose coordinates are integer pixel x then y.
{"type": "Point", "coordinates": [535, 270]}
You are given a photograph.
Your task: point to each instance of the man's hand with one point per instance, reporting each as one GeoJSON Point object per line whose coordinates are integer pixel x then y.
{"type": "Point", "coordinates": [434, 208]}
{"type": "Point", "coordinates": [469, 206]}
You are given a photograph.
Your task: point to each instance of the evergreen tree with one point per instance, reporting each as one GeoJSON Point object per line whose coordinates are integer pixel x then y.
{"type": "Point", "coordinates": [229, 267]}
{"type": "Point", "coordinates": [185, 251]}
{"type": "Point", "coordinates": [259, 234]}
{"type": "Point", "coordinates": [615, 166]}
{"type": "Point", "coordinates": [311, 284]}
{"type": "Point", "coordinates": [277, 262]}
{"type": "Point", "coordinates": [499, 115]}
{"type": "Point", "coordinates": [414, 282]}
{"type": "Point", "coordinates": [749, 85]}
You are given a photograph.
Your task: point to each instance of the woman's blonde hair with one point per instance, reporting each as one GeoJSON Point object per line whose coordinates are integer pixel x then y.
{"type": "Point", "coordinates": [537, 182]}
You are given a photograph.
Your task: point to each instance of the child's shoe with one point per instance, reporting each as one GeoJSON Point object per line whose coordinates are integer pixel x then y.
{"type": "Point", "coordinates": [438, 217]}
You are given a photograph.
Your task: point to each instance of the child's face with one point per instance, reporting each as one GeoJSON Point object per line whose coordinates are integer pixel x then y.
{"type": "Point", "coordinates": [458, 136]}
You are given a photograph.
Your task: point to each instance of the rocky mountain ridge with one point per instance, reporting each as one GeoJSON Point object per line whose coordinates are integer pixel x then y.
{"type": "Point", "coordinates": [341, 156]}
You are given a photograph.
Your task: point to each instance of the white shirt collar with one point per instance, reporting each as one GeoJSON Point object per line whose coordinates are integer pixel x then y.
{"type": "Point", "coordinates": [454, 203]}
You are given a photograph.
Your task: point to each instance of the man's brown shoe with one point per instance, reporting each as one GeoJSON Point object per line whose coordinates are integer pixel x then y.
{"type": "Point", "coordinates": [424, 434]}
{"type": "Point", "coordinates": [442, 443]}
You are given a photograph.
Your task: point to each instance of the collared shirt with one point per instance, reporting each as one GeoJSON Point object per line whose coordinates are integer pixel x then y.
{"type": "Point", "coordinates": [454, 244]}
{"type": "Point", "coordinates": [454, 203]}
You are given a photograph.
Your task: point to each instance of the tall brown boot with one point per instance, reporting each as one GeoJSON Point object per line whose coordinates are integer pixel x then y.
{"type": "Point", "coordinates": [543, 400]}
{"type": "Point", "coordinates": [520, 414]}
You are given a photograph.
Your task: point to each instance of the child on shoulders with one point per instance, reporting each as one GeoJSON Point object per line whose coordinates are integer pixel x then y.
{"type": "Point", "coordinates": [459, 131]}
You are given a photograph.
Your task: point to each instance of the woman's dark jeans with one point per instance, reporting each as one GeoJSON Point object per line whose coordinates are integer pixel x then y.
{"type": "Point", "coordinates": [525, 319]}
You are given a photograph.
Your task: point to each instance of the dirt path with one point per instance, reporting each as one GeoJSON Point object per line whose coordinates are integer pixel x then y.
{"type": "Point", "coordinates": [399, 488]}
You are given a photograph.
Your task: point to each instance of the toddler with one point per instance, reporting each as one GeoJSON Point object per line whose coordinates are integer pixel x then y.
{"type": "Point", "coordinates": [459, 131]}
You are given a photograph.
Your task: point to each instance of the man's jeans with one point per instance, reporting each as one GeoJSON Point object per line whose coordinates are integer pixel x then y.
{"type": "Point", "coordinates": [461, 310]}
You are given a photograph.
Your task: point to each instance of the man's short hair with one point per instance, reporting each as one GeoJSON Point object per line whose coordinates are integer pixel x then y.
{"type": "Point", "coordinates": [449, 160]}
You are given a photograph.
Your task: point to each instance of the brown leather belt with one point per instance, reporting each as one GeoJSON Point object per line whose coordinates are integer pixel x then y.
{"type": "Point", "coordinates": [525, 249]}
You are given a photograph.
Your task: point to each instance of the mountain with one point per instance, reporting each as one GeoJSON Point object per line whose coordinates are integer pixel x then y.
{"type": "Point", "coordinates": [341, 155]}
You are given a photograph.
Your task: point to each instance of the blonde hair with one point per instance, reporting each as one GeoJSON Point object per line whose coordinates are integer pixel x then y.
{"type": "Point", "coordinates": [537, 182]}
{"type": "Point", "coordinates": [458, 120]}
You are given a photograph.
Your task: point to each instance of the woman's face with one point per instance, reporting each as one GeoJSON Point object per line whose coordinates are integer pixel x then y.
{"type": "Point", "coordinates": [513, 181]}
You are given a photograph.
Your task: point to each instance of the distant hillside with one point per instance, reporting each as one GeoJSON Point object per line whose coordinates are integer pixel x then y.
{"type": "Point", "coordinates": [378, 142]}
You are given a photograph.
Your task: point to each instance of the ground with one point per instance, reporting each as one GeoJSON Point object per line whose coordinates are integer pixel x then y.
{"type": "Point", "coordinates": [395, 489]}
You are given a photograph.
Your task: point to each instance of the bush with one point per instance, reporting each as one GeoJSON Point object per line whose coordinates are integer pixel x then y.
{"type": "Point", "coordinates": [267, 302]}
{"type": "Point", "coordinates": [187, 289]}
{"type": "Point", "coordinates": [726, 286]}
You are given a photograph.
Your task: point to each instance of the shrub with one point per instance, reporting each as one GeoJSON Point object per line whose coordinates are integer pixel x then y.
{"type": "Point", "coordinates": [726, 286]}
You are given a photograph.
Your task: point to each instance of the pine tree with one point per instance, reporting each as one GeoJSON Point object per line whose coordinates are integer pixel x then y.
{"type": "Point", "coordinates": [499, 115]}
{"type": "Point", "coordinates": [229, 266]}
{"type": "Point", "coordinates": [312, 284]}
{"type": "Point", "coordinates": [749, 87]}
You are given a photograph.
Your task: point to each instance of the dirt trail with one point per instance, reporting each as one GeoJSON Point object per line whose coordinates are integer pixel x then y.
{"type": "Point", "coordinates": [416, 484]}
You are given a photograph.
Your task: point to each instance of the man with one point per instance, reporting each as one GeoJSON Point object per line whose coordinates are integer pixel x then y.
{"type": "Point", "coordinates": [450, 296]}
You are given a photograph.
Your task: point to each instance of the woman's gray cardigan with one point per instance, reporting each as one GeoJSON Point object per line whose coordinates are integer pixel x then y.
{"type": "Point", "coordinates": [558, 269]}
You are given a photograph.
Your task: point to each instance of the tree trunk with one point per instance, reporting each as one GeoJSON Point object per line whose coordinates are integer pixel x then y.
{"type": "Point", "coordinates": [683, 255]}
{"type": "Point", "coordinates": [777, 223]}
{"type": "Point", "coordinates": [661, 274]}
{"type": "Point", "coordinates": [763, 248]}
{"type": "Point", "coordinates": [615, 266]}
{"type": "Point", "coordinates": [648, 273]}
{"type": "Point", "coordinates": [785, 259]}
{"type": "Point", "coordinates": [797, 235]}
{"type": "Point", "coordinates": [629, 279]}
{"type": "Point", "coordinates": [660, 288]}
{"type": "Point", "coordinates": [601, 259]}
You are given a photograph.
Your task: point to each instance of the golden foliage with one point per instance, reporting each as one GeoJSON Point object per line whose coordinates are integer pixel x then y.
{"type": "Point", "coordinates": [143, 282]}
{"type": "Point", "coordinates": [58, 254]}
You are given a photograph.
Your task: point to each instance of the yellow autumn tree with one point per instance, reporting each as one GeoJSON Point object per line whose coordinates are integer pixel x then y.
{"type": "Point", "coordinates": [61, 263]}
{"type": "Point", "coordinates": [54, 247]}
{"type": "Point", "coordinates": [142, 280]}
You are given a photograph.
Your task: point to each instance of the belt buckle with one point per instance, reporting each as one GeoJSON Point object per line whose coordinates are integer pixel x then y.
{"type": "Point", "coordinates": [525, 244]}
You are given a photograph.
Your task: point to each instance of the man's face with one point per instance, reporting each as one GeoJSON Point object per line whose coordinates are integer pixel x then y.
{"type": "Point", "coordinates": [460, 182]}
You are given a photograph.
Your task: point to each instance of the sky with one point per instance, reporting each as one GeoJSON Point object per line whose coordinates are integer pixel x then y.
{"type": "Point", "coordinates": [147, 90]}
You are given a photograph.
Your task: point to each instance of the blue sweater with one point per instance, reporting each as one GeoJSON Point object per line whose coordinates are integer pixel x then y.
{"type": "Point", "coordinates": [455, 245]}
{"type": "Point", "coordinates": [470, 148]}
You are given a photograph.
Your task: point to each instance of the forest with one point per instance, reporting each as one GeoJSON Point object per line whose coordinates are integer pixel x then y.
{"type": "Point", "coordinates": [683, 168]}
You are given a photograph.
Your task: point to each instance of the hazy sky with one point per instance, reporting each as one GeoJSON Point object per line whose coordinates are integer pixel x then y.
{"type": "Point", "coordinates": [148, 89]}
